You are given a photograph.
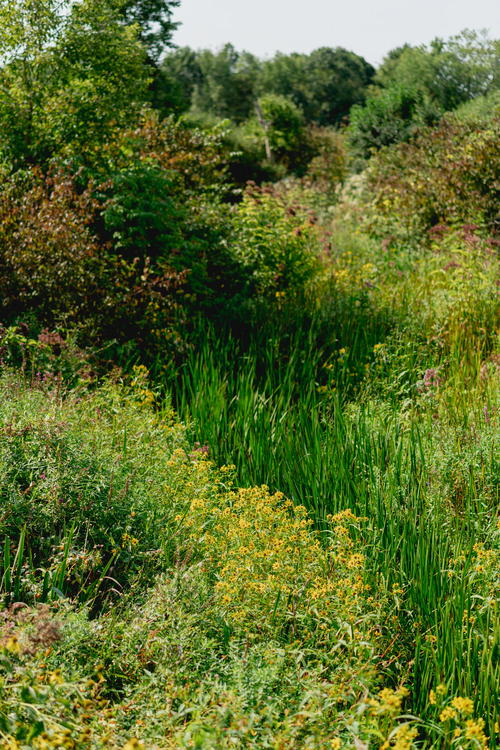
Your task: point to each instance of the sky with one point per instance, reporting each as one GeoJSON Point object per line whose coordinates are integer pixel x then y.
{"type": "Point", "coordinates": [368, 27]}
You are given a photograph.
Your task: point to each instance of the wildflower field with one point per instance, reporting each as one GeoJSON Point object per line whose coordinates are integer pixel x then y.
{"type": "Point", "coordinates": [249, 428]}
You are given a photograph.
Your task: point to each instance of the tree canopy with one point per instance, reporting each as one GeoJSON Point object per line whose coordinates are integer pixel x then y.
{"type": "Point", "coordinates": [73, 70]}
{"type": "Point", "coordinates": [324, 84]}
{"type": "Point", "coordinates": [450, 71]}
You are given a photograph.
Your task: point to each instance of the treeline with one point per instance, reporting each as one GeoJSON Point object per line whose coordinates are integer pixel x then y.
{"type": "Point", "coordinates": [74, 72]}
{"type": "Point", "coordinates": [332, 87]}
{"type": "Point", "coordinates": [327, 83]}
{"type": "Point", "coordinates": [227, 83]}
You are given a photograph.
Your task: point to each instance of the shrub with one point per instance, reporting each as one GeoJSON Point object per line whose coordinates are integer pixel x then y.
{"type": "Point", "coordinates": [390, 117]}
{"type": "Point", "coordinates": [447, 175]}
{"type": "Point", "coordinates": [284, 125]}
{"type": "Point", "coordinates": [275, 244]}
{"type": "Point", "coordinates": [49, 258]}
{"type": "Point", "coordinates": [56, 271]}
{"type": "Point", "coordinates": [76, 485]}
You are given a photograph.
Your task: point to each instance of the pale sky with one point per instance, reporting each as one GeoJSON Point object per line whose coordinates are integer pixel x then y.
{"type": "Point", "coordinates": [369, 27]}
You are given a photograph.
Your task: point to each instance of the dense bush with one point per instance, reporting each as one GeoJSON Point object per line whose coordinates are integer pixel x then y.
{"type": "Point", "coordinates": [56, 270]}
{"type": "Point", "coordinates": [276, 244]}
{"type": "Point", "coordinates": [286, 132]}
{"type": "Point", "coordinates": [133, 245]}
{"type": "Point", "coordinates": [446, 175]}
{"type": "Point", "coordinates": [392, 116]}
{"type": "Point", "coordinates": [98, 492]}
{"type": "Point", "coordinates": [74, 484]}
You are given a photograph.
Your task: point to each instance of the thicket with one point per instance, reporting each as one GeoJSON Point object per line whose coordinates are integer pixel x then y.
{"type": "Point", "coordinates": [415, 86]}
{"type": "Point", "coordinates": [248, 432]}
{"type": "Point", "coordinates": [447, 176]}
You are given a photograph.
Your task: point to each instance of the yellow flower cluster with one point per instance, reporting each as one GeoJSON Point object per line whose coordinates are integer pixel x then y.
{"type": "Point", "coordinates": [401, 739]}
{"type": "Point", "coordinates": [474, 731]}
{"type": "Point", "coordinates": [469, 731]}
{"type": "Point", "coordinates": [447, 714]}
{"type": "Point", "coordinates": [464, 705]}
{"type": "Point", "coordinates": [389, 701]}
{"type": "Point", "coordinates": [272, 571]}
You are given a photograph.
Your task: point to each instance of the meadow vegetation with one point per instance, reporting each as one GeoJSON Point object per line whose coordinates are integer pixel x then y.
{"type": "Point", "coordinates": [249, 464]}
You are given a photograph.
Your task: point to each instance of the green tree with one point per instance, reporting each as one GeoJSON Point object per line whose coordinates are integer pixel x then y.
{"type": "Point", "coordinates": [28, 28]}
{"type": "Point", "coordinates": [286, 75]}
{"type": "Point", "coordinates": [226, 86]}
{"type": "Point", "coordinates": [182, 73]}
{"type": "Point", "coordinates": [71, 72]}
{"type": "Point", "coordinates": [450, 72]}
{"type": "Point", "coordinates": [337, 79]}
{"type": "Point", "coordinates": [392, 116]}
{"type": "Point", "coordinates": [155, 21]}
{"type": "Point", "coordinates": [468, 65]}
{"type": "Point", "coordinates": [324, 84]}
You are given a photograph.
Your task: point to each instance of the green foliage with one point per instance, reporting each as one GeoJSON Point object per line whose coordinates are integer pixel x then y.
{"type": "Point", "coordinates": [450, 72]}
{"type": "Point", "coordinates": [284, 127]}
{"type": "Point", "coordinates": [446, 175]}
{"type": "Point", "coordinates": [54, 269]}
{"type": "Point", "coordinates": [338, 80]}
{"type": "Point", "coordinates": [481, 108]}
{"type": "Point", "coordinates": [154, 18]}
{"type": "Point", "coordinates": [47, 469]}
{"type": "Point", "coordinates": [275, 244]}
{"type": "Point", "coordinates": [141, 215]}
{"type": "Point", "coordinates": [122, 255]}
{"type": "Point", "coordinates": [419, 84]}
{"type": "Point", "coordinates": [71, 73]}
{"type": "Point", "coordinates": [225, 81]}
{"type": "Point", "coordinates": [146, 243]}
{"type": "Point", "coordinates": [103, 78]}
{"type": "Point", "coordinates": [182, 73]}
{"type": "Point", "coordinates": [392, 116]}
{"type": "Point", "coordinates": [325, 84]}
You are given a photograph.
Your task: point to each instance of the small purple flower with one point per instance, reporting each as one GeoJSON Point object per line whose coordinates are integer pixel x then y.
{"type": "Point", "coordinates": [431, 378]}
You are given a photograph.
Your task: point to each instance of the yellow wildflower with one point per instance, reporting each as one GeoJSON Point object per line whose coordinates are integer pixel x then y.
{"type": "Point", "coordinates": [447, 713]}
{"type": "Point", "coordinates": [404, 737]}
{"type": "Point", "coordinates": [474, 731]}
{"type": "Point", "coordinates": [464, 705]}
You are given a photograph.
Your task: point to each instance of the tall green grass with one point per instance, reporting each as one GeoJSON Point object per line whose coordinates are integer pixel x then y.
{"type": "Point", "coordinates": [322, 438]}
